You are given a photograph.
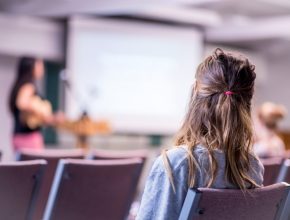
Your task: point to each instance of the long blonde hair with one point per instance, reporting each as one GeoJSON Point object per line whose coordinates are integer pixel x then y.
{"type": "Point", "coordinates": [219, 117]}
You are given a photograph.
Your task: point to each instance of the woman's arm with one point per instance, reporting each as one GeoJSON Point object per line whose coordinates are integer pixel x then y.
{"type": "Point", "coordinates": [24, 97]}
{"type": "Point", "coordinates": [38, 110]}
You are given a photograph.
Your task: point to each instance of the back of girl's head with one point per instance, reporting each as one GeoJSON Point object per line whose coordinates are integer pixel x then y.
{"type": "Point", "coordinates": [219, 114]}
{"type": "Point", "coordinates": [25, 74]}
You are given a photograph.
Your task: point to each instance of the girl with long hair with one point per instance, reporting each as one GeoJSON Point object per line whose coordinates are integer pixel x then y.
{"type": "Point", "coordinates": [29, 110]}
{"type": "Point", "coordinates": [214, 144]}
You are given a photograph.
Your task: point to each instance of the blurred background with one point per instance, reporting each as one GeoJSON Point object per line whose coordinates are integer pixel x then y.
{"type": "Point", "coordinates": [130, 64]}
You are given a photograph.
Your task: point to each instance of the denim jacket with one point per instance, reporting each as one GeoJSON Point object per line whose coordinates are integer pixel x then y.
{"type": "Point", "coordinates": [160, 202]}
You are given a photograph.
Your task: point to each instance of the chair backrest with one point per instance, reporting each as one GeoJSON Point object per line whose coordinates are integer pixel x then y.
{"type": "Point", "coordinates": [272, 168]}
{"type": "Point", "coordinates": [284, 174]}
{"type": "Point", "coordinates": [267, 203]}
{"type": "Point", "coordinates": [86, 189]}
{"type": "Point", "coordinates": [100, 154]}
{"type": "Point", "coordinates": [19, 187]}
{"type": "Point", "coordinates": [52, 156]}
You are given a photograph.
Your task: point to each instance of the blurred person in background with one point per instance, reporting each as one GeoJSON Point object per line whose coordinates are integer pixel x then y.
{"type": "Point", "coordinates": [30, 112]}
{"type": "Point", "coordinates": [268, 143]}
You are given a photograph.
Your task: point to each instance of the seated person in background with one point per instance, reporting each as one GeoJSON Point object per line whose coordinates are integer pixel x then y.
{"type": "Point", "coordinates": [30, 112]}
{"type": "Point", "coordinates": [214, 145]}
{"type": "Point", "coordinates": [268, 143]}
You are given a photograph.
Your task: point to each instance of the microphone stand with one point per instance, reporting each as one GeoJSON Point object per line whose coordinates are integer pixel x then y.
{"type": "Point", "coordinates": [84, 127]}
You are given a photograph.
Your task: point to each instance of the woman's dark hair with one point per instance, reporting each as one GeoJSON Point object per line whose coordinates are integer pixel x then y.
{"type": "Point", "coordinates": [25, 71]}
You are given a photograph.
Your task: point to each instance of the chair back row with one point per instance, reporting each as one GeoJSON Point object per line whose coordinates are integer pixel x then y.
{"type": "Point", "coordinates": [81, 189]}
{"type": "Point", "coordinates": [107, 195]}
{"type": "Point", "coordinates": [52, 156]}
{"type": "Point", "coordinates": [267, 203]}
{"type": "Point", "coordinates": [276, 170]}
{"type": "Point", "coordinates": [19, 186]}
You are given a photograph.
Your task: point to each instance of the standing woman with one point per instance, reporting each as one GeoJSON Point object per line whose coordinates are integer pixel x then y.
{"type": "Point", "coordinates": [29, 111]}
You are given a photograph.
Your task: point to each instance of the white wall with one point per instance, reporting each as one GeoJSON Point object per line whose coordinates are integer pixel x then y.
{"type": "Point", "coordinates": [7, 73]}
{"type": "Point", "coordinates": [22, 35]}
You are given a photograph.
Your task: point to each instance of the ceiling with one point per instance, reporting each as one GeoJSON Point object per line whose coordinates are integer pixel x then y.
{"type": "Point", "coordinates": [256, 24]}
{"type": "Point", "coordinates": [253, 9]}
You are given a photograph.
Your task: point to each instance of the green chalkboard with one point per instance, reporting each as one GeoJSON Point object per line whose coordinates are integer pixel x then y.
{"type": "Point", "coordinates": [51, 90]}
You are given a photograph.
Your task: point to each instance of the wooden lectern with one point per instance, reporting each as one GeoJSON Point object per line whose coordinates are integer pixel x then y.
{"type": "Point", "coordinates": [85, 127]}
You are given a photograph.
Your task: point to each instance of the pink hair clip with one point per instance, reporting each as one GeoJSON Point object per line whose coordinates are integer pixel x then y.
{"type": "Point", "coordinates": [229, 93]}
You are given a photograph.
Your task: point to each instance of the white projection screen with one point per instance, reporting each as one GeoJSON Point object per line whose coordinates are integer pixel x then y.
{"type": "Point", "coordinates": [136, 75]}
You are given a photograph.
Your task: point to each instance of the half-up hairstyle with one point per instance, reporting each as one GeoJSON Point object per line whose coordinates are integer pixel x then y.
{"type": "Point", "coordinates": [219, 117]}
